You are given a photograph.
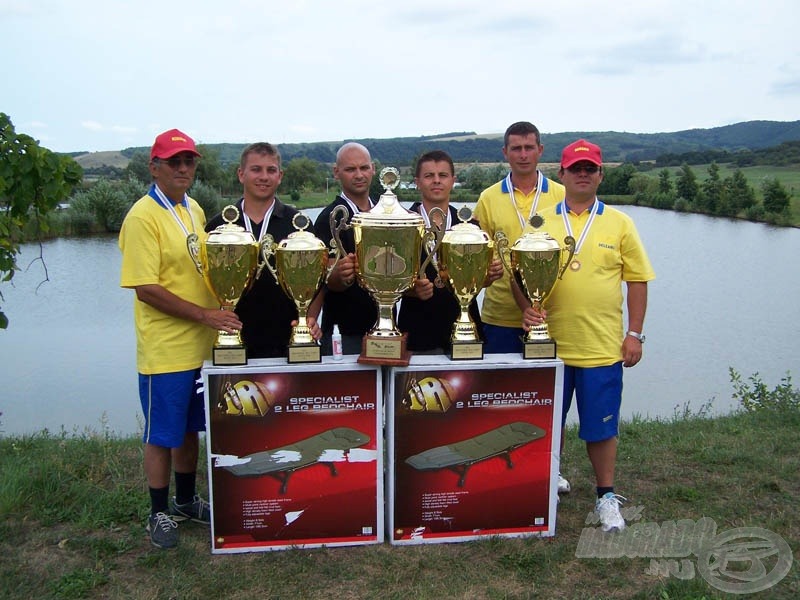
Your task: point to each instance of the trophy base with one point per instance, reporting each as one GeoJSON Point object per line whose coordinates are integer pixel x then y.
{"type": "Point", "coordinates": [229, 356]}
{"type": "Point", "coordinates": [538, 349]}
{"type": "Point", "coordinates": [380, 350]}
{"type": "Point", "coordinates": [466, 350]}
{"type": "Point", "coordinates": [305, 353]}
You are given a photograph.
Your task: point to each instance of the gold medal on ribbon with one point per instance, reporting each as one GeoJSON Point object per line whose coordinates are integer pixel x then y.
{"type": "Point", "coordinates": [575, 265]}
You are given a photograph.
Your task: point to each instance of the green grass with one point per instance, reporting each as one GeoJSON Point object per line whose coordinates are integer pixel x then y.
{"type": "Point", "coordinates": [73, 508]}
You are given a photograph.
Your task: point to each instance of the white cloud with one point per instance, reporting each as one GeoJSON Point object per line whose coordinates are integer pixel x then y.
{"type": "Point", "coordinates": [92, 125]}
{"type": "Point", "coordinates": [311, 71]}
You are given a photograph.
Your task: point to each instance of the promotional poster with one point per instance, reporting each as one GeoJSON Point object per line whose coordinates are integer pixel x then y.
{"type": "Point", "coordinates": [295, 456]}
{"type": "Point", "coordinates": [473, 450]}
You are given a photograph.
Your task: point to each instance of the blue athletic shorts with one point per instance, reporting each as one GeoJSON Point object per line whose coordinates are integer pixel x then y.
{"type": "Point", "coordinates": [502, 340]}
{"type": "Point", "coordinates": [172, 405]}
{"type": "Point", "coordinates": [598, 391]}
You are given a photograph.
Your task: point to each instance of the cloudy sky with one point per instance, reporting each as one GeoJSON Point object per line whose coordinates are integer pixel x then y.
{"type": "Point", "coordinates": [105, 75]}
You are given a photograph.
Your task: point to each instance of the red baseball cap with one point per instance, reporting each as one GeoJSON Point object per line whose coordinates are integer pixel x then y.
{"type": "Point", "coordinates": [170, 143]}
{"type": "Point", "coordinates": [581, 150]}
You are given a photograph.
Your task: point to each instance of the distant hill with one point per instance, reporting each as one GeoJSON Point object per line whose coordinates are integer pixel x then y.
{"type": "Point", "coordinates": [466, 147]}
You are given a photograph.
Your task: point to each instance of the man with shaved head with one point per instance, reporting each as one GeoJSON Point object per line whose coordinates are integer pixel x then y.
{"type": "Point", "coordinates": [342, 300]}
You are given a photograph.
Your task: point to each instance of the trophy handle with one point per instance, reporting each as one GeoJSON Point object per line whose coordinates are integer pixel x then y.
{"type": "Point", "coordinates": [338, 224]}
{"type": "Point", "coordinates": [501, 243]}
{"type": "Point", "coordinates": [267, 251]}
{"type": "Point", "coordinates": [193, 245]}
{"type": "Point", "coordinates": [432, 240]}
{"type": "Point", "coordinates": [570, 242]}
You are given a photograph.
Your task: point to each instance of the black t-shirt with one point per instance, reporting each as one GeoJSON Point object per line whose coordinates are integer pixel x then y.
{"type": "Point", "coordinates": [429, 323]}
{"type": "Point", "coordinates": [265, 310]}
{"type": "Point", "coordinates": [353, 309]}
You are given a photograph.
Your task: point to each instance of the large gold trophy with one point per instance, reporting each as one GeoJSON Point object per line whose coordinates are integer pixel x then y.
{"type": "Point", "coordinates": [388, 242]}
{"type": "Point", "coordinates": [301, 263]}
{"type": "Point", "coordinates": [466, 253]}
{"type": "Point", "coordinates": [536, 265]}
{"type": "Point", "coordinates": [228, 261]}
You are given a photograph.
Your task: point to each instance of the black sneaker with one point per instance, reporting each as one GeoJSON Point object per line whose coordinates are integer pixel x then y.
{"type": "Point", "coordinates": [196, 510]}
{"type": "Point", "coordinates": [163, 530]}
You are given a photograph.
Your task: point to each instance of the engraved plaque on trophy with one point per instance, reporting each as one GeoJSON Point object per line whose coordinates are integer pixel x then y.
{"type": "Point", "coordinates": [388, 241]}
{"type": "Point", "coordinates": [536, 265]}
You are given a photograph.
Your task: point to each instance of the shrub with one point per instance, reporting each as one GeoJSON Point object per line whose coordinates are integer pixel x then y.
{"type": "Point", "coordinates": [681, 205]}
{"type": "Point", "coordinates": [207, 197]}
{"type": "Point", "coordinates": [755, 396]}
{"type": "Point", "coordinates": [755, 212]}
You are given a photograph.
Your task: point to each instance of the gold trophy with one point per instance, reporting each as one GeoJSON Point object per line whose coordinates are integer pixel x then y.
{"type": "Point", "coordinates": [466, 253]}
{"type": "Point", "coordinates": [301, 263]}
{"type": "Point", "coordinates": [536, 265]}
{"type": "Point", "coordinates": [388, 242]}
{"type": "Point", "coordinates": [228, 261]}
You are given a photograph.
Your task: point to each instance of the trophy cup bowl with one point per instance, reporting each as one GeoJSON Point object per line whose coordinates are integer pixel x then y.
{"type": "Point", "coordinates": [228, 260]}
{"type": "Point", "coordinates": [466, 252]}
{"type": "Point", "coordinates": [301, 263]}
{"type": "Point", "coordinates": [536, 266]}
{"type": "Point", "coordinates": [388, 241]}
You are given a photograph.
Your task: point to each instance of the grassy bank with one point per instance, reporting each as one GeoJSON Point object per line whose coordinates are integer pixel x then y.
{"type": "Point", "coordinates": [73, 509]}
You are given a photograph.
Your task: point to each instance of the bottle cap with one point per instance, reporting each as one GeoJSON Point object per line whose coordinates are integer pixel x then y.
{"type": "Point", "coordinates": [336, 329]}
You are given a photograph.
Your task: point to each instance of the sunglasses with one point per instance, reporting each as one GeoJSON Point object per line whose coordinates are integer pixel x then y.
{"type": "Point", "coordinates": [589, 169]}
{"type": "Point", "coordinates": [175, 162]}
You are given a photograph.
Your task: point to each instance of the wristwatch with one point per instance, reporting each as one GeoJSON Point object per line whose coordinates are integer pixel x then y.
{"type": "Point", "coordinates": [637, 335]}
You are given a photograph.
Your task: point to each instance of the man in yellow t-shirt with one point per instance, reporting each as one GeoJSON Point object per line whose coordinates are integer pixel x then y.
{"type": "Point", "coordinates": [507, 206]}
{"type": "Point", "coordinates": [176, 318]}
{"type": "Point", "coordinates": [584, 313]}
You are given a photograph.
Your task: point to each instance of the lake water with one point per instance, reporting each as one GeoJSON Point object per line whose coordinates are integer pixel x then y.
{"type": "Point", "coordinates": [726, 295]}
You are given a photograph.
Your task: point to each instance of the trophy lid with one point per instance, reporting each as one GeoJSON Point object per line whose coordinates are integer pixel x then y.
{"type": "Point", "coordinates": [535, 241]}
{"type": "Point", "coordinates": [301, 239]}
{"type": "Point", "coordinates": [229, 233]}
{"type": "Point", "coordinates": [466, 232]}
{"type": "Point", "coordinates": [388, 211]}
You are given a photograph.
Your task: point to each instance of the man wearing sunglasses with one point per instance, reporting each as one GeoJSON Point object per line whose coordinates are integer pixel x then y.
{"type": "Point", "coordinates": [176, 320]}
{"type": "Point", "coordinates": [584, 313]}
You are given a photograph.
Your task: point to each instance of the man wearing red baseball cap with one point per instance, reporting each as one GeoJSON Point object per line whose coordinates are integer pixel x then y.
{"type": "Point", "coordinates": [176, 319]}
{"type": "Point", "coordinates": [584, 313]}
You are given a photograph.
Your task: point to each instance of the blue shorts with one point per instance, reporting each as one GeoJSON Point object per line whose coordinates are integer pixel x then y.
{"type": "Point", "coordinates": [502, 340]}
{"type": "Point", "coordinates": [172, 405]}
{"type": "Point", "coordinates": [598, 391]}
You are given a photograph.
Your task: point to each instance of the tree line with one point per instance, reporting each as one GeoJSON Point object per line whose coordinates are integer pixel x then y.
{"type": "Point", "coordinates": [35, 181]}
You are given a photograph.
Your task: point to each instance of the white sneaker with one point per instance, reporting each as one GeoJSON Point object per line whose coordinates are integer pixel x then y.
{"type": "Point", "coordinates": [563, 485]}
{"type": "Point", "coordinates": [607, 510]}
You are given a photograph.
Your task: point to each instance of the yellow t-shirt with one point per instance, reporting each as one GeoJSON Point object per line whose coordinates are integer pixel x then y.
{"type": "Point", "coordinates": [495, 212]}
{"type": "Point", "coordinates": [584, 310]}
{"type": "Point", "coordinates": [154, 252]}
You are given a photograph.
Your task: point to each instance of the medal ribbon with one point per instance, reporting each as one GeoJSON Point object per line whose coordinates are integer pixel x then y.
{"type": "Point", "coordinates": [162, 198]}
{"type": "Point", "coordinates": [449, 216]}
{"type": "Point", "coordinates": [448, 224]}
{"type": "Point", "coordinates": [264, 222]}
{"type": "Point", "coordinates": [534, 206]}
{"type": "Point", "coordinates": [586, 228]}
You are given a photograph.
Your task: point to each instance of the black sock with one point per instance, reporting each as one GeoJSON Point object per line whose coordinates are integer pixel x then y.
{"type": "Point", "coordinates": [602, 491]}
{"type": "Point", "coordinates": [185, 487]}
{"type": "Point", "coordinates": [159, 500]}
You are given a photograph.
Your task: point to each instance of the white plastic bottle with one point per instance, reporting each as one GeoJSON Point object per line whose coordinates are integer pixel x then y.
{"type": "Point", "coordinates": [336, 342]}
